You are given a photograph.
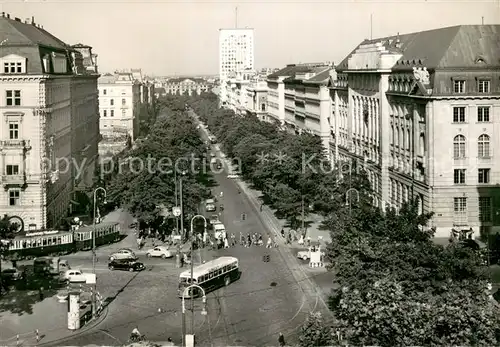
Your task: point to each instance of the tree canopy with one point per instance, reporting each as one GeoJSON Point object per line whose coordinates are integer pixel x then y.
{"type": "Point", "coordinates": [395, 285]}
{"type": "Point", "coordinates": [144, 179]}
{"type": "Point", "coordinates": [284, 166]}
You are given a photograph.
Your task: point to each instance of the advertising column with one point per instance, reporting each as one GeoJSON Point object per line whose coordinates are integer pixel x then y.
{"type": "Point", "coordinates": [74, 311]}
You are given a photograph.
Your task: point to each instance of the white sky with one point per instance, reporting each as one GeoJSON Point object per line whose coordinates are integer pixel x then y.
{"type": "Point", "coordinates": [181, 37]}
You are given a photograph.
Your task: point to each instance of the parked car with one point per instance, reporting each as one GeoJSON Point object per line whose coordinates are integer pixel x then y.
{"type": "Point", "coordinates": [124, 253]}
{"type": "Point", "coordinates": [75, 276]}
{"type": "Point", "coordinates": [159, 251]}
{"type": "Point", "coordinates": [233, 176]}
{"type": "Point", "coordinates": [210, 208]}
{"type": "Point", "coordinates": [126, 264]}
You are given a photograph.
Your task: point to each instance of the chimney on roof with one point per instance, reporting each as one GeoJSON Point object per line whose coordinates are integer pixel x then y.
{"type": "Point", "coordinates": [17, 19]}
{"type": "Point", "coordinates": [33, 20]}
{"type": "Point", "coordinates": [398, 42]}
{"type": "Point", "coordinates": [27, 21]}
{"type": "Point", "coordinates": [8, 15]}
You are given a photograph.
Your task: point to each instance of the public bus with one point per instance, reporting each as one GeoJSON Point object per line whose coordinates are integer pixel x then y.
{"type": "Point", "coordinates": [210, 276]}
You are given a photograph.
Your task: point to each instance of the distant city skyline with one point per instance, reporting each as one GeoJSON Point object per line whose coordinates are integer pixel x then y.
{"type": "Point", "coordinates": [181, 38]}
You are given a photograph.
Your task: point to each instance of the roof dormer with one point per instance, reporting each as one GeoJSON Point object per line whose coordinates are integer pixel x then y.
{"type": "Point", "coordinates": [13, 64]}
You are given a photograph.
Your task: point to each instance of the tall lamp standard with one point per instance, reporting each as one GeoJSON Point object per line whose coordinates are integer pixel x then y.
{"type": "Point", "coordinates": [348, 198]}
{"type": "Point", "coordinates": [203, 311]}
{"type": "Point", "coordinates": [192, 262]}
{"type": "Point", "coordinates": [93, 249]}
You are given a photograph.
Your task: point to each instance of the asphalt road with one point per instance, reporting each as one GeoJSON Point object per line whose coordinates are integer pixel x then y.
{"type": "Point", "coordinates": [267, 300]}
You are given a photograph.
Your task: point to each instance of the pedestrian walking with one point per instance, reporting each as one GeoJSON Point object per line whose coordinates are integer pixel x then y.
{"type": "Point", "coordinates": [233, 242]}
{"type": "Point", "coordinates": [261, 207]}
{"type": "Point", "coordinates": [281, 340]}
{"type": "Point", "coordinates": [282, 232]}
{"type": "Point", "coordinates": [226, 243]}
{"type": "Point", "coordinates": [269, 241]}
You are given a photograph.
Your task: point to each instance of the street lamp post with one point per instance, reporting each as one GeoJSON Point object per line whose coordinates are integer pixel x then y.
{"type": "Point", "coordinates": [192, 261]}
{"type": "Point", "coordinates": [203, 311]}
{"type": "Point", "coordinates": [94, 311]}
{"type": "Point", "coordinates": [348, 199]}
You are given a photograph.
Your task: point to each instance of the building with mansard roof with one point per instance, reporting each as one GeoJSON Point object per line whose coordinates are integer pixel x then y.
{"type": "Point", "coordinates": [50, 127]}
{"type": "Point", "coordinates": [190, 86]}
{"type": "Point", "coordinates": [421, 112]}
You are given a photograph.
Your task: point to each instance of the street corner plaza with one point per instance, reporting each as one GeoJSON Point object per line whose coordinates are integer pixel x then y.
{"type": "Point", "coordinates": [248, 301]}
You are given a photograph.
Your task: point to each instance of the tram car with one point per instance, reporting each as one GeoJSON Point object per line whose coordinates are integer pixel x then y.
{"type": "Point", "coordinates": [55, 243]}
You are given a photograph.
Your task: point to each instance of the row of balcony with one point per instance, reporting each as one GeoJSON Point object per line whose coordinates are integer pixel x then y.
{"type": "Point", "coordinates": [15, 144]}
{"type": "Point", "coordinates": [21, 179]}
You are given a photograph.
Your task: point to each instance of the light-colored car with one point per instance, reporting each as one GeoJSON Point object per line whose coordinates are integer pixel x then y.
{"type": "Point", "coordinates": [210, 207]}
{"type": "Point", "coordinates": [210, 201]}
{"type": "Point", "coordinates": [233, 176]}
{"type": "Point", "coordinates": [75, 276]}
{"type": "Point", "coordinates": [159, 251]}
{"type": "Point", "coordinates": [124, 253]}
{"type": "Point", "coordinates": [306, 255]}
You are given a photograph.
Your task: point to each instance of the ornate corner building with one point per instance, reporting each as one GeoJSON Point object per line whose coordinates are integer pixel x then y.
{"type": "Point", "coordinates": [423, 112]}
{"type": "Point", "coordinates": [50, 123]}
{"type": "Point", "coordinates": [419, 112]}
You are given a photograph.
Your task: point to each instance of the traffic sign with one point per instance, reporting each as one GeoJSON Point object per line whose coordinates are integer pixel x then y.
{"type": "Point", "coordinates": [176, 211]}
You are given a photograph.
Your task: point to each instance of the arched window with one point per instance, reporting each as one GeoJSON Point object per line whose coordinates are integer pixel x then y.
{"type": "Point", "coordinates": [408, 140]}
{"type": "Point", "coordinates": [422, 145]}
{"type": "Point", "coordinates": [483, 146]}
{"type": "Point", "coordinates": [420, 207]}
{"type": "Point", "coordinates": [459, 146]}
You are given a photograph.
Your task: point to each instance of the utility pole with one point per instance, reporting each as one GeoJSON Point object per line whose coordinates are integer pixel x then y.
{"type": "Point", "coordinates": [181, 207]}
{"type": "Point", "coordinates": [176, 203]}
{"type": "Point", "coordinates": [192, 279]}
{"type": "Point", "coordinates": [94, 291]}
{"type": "Point", "coordinates": [303, 216]}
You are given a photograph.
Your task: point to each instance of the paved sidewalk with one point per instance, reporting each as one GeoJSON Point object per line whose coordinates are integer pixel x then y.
{"type": "Point", "coordinates": [49, 316]}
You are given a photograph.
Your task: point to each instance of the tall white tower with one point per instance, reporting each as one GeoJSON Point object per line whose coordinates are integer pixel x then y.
{"type": "Point", "coordinates": [236, 51]}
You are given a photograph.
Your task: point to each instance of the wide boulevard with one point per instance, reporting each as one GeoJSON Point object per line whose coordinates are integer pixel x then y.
{"type": "Point", "coordinates": [271, 297]}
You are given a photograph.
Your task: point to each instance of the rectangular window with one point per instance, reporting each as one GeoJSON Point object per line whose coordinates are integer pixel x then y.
{"type": "Point", "coordinates": [112, 113]}
{"type": "Point", "coordinates": [14, 197]}
{"type": "Point", "coordinates": [483, 114]}
{"type": "Point", "coordinates": [124, 113]}
{"type": "Point", "coordinates": [483, 175]}
{"type": "Point", "coordinates": [485, 209]}
{"type": "Point", "coordinates": [13, 97]}
{"type": "Point", "coordinates": [12, 170]}
{"type": "Point", "coordinates": [459, 114]}
{"type": "Point", "coordinates": [111, 102]}
{"type": "Point", "coordinates": [13, 130]}
{"type": "Point", "coordinates": [459, 176]}
{"type": "Point", "coordinates": [460, 210]}
{"type": "Point", "coordinates": [483, 86]}
{"type": "Point", "coordinates": [104, 92]}
{"type": "Point", "coordinates": [13, 67]}
{"type": "Point", "coordinates": [124, 102]}
{"type": "Point", "coordinates": [104, 113]}
{"type": "Point", "coordinates": [459, 86]}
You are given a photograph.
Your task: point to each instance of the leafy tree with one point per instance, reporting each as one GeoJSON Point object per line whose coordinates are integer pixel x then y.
{"type": "Point", "coordinates": [315, 332]}
{"type": "Point", "coordinates": [7, 233]}
{"type": "Point", "coordinates": [145, 178]}
{"type": "Point", "coordinates": [397, 286]}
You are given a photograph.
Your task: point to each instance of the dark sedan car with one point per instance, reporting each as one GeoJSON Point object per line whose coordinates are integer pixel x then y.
{"type": "Point", "coordinates": [126, 264]}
